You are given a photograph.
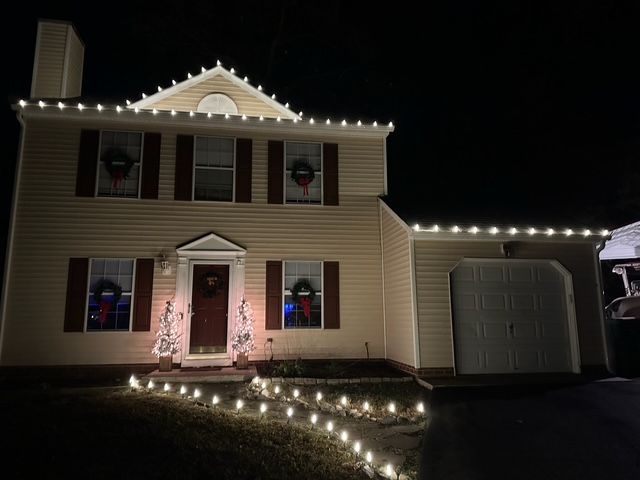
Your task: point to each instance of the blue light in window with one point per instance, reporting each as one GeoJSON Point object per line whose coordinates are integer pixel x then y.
{"type": "Point", "coordinates": [289, 308]}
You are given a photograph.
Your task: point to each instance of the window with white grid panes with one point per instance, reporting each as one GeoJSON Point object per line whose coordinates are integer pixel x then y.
{"type": "Point", "coordinates": [311, 154]}
{"type": "Point", "coordinates": [294, 315]}
{"type": "Point", "coordinates": [214, 169]}
{"type": "Point", "coordinates": [108, 313]}
{"type": "Point", "coordinates": [119, 179]}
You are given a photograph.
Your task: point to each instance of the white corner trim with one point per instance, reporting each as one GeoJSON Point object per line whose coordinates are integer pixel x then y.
{"type": "Point", "coordinates": [384, 156]}
{"type": "Point", "coordinates": [414, 304]}
{"type": "Point", "coordinates": [11, 233]}
{"type": "Point", "coordinates": [216, 71]}
{"type": "Point", "coordinates": [384, 304]}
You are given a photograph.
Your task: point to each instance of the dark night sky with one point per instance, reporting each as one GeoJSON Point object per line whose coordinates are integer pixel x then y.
{"type": "Point", "coordinates": [515, 113]}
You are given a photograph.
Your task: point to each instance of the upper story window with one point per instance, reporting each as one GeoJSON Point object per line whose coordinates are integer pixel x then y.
{"type": "Point", "coordinates": [214, 169]}
{"type": "Point", "coordinates": [109, 296]}
{"type": "Point", "coordinates": [218, 103]}
{"type": "Point", "coordinates": [303, 173]}
{"type": "Point", "coordinates": [119, 164]}
{"type": "Point", "coordinates": [302, 305]}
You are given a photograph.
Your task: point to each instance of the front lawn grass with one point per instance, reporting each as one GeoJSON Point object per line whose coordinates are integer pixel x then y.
{"type": "Point", "coordinates": [114, 433]}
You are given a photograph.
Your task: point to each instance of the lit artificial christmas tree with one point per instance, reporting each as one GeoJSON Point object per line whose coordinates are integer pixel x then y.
{"type": "Point", "coordinates": [168, 336]}
{"type": "Point", "coordinates": [242, 340]}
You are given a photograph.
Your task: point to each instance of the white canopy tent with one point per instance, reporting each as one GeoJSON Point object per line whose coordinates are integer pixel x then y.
{"type": "Point", "coordinates": [624, 243]}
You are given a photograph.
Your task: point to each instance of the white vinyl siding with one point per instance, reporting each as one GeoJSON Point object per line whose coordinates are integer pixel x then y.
{"type": "Point", "coordinates": [310, 154]}
{"type": "Point", "coordinates": [52, 224]}
{"type": "Point", "coordinates": [397, 289]}
{"type": "Point", "coordinates": [125, 143]}
{"type": "Point", "coordinates": [214, 169]}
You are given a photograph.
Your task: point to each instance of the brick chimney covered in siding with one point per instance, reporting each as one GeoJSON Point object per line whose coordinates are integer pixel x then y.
{"type": "Point", "coordinates": [58, 61]}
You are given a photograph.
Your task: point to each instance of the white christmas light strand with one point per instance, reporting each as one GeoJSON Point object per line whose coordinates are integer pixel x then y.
{"type": "Point", "coordinates": [388, 469]}
{"type": "Point", "coordinates": [530, 231]}
{"type": "Point", "coordinates": [173, 113]}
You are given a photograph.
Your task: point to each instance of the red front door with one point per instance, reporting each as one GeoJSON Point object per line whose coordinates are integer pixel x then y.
{"type": "Point", "coordinates": [209, 309]}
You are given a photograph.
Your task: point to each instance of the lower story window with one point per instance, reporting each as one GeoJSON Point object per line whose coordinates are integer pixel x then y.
{"type": "Point", "coordinates": [109, 296]}
{"type": "Point", "coordinates": [302, 295]}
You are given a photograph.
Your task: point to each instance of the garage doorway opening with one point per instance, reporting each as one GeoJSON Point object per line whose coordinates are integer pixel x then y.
{"type": "Point", "coordinates": [513, 316]}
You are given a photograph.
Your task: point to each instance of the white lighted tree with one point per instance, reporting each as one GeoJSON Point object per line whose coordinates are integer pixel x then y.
{"type": "Point", "coordinates": [242, 340]}
{"type": "Point", "coordinates": [168, 336]}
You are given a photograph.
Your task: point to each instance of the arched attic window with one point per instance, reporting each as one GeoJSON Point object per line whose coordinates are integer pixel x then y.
{"type": "Point", "coordinates": [217, 103]}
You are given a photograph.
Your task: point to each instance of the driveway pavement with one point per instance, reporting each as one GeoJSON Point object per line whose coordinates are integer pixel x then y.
{"type": "Point", "coordinates": [582, 432]}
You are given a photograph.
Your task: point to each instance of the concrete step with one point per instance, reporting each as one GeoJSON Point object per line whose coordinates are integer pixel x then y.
{"type": "Point", "coordinates": [204, 375]}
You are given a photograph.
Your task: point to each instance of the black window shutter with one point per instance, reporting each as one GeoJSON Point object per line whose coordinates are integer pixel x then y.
{"type": "Point", "coordinates": [143, 295]}
{"type": "Point", "coordinates": [150, 166]}
{"type": "Point", "coordinates": [273, 310]}
{"type": "Point", "coordinates": [330, 173]}
{"type": "Point", "coordinates": [275, 167]}
{"type": "Point", "coordinates": [87, 163]}
{"type": "Point", "coordinates": [76, 294]}
{"type": "Point", "coordinates": [184, 168]}
{"type": "Point", "coordinates": [331, 294]}
{"type": "Point", "coordinates": [244, 152]}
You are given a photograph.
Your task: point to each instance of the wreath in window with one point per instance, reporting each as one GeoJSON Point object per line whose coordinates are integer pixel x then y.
{"type": "Point", "coordinates": [118, 164]}
{"type": "Point", "coordinates": [101, 287]}
{"type": "Point", "coordinates": [303, 174]}
{"type": "Point", "coordinates": [302, 293]}
{"type": "Point", "coordinates": [209, 284]}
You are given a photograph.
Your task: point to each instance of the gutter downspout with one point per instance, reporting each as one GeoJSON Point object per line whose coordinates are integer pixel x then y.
{"type": "Point", "coordinates": [12, 227]}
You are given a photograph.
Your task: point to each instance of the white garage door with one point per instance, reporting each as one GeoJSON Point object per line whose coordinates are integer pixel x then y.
{"type": "Point", "coordinates": [510, 316]}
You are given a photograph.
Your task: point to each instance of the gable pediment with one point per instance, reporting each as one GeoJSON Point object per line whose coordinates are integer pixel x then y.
{"type": "Point", "coordinates": [209, 243]}
{"type": "Point", "coordinates": [189, 94]}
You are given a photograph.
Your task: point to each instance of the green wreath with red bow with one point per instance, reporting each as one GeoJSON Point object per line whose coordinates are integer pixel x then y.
{"type": "Point", "coordinates": [118, 164]}
{"type": "Point", "coordinates": [303, 174]}
{"type": "Point", "coordinates": [303, 286]}
{"type": "Point", "coordinates": [101, 287]}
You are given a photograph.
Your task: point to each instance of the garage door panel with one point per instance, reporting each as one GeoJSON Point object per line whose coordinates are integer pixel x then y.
{"type": "Point", "coordinates": [525, 330]}
{"type": "Point", "coordinates": [466, 302]}
{"type": "Point", "coordinates": [509, 316]}
{"type": "Point", "coordinates": [493, 302]}
{"type": "Point", "coordinates": [463, 274]}
{"type": "Point", "coordinates": [498, 359]}
{"type": "Point", "coordinates": [491, 274]}
{"type": "Point", "coordinates": [523, 301]}
{"type": "Point", "coordinates": [521, 274]}
{"type": "Point", "coordinates": [495, 330]}
{"type": "Point", "coordinates": [528, 360]}
{"type": "Point", "coordinates": [549, 301]}
{"type": "Point", "coordinates": [553, 331]}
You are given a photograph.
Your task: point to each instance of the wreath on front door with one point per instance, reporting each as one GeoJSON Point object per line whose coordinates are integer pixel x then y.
{"type": "Point", "coordinates": [303, 174]}
{"type": "Point", "coordinates": [303, 294]}
{"type": "Point", "coordinates": [118, 164]}
{"type": "Point", "coordinates": [209, 283]}
{"type": "Point", "coordinates": [101, 287]}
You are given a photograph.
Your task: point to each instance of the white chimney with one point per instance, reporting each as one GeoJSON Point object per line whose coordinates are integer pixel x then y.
{"type": "Point", "coordinates": [58, 62]}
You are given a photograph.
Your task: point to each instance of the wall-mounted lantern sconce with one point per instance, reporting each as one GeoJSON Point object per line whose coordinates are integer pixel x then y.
{"type": "Point", "coordinates": [165, 266]}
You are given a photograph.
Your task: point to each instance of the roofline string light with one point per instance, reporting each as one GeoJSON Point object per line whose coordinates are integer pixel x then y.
{"type": "Point", "coordinates": [568, 232]}
{"type": "Point", "coordinates": [117, 108]}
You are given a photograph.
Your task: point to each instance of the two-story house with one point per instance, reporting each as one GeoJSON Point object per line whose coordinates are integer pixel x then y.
{"type": "Point", "coordinates": [210, 189]}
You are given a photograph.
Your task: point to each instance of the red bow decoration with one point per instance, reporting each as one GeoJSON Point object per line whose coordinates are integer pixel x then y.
{"type": "Point", "coordinates": [305, 302]}
{"type": "Point", "coordinates": [117, 178]}
{"type": "Point", "coordinates": [304, 183]}
{"type": "Point", "coordinates": [105, 308]}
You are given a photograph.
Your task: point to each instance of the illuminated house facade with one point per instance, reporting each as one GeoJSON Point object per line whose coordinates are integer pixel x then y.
{"type": "Point", "coordinates": [210, 189]}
